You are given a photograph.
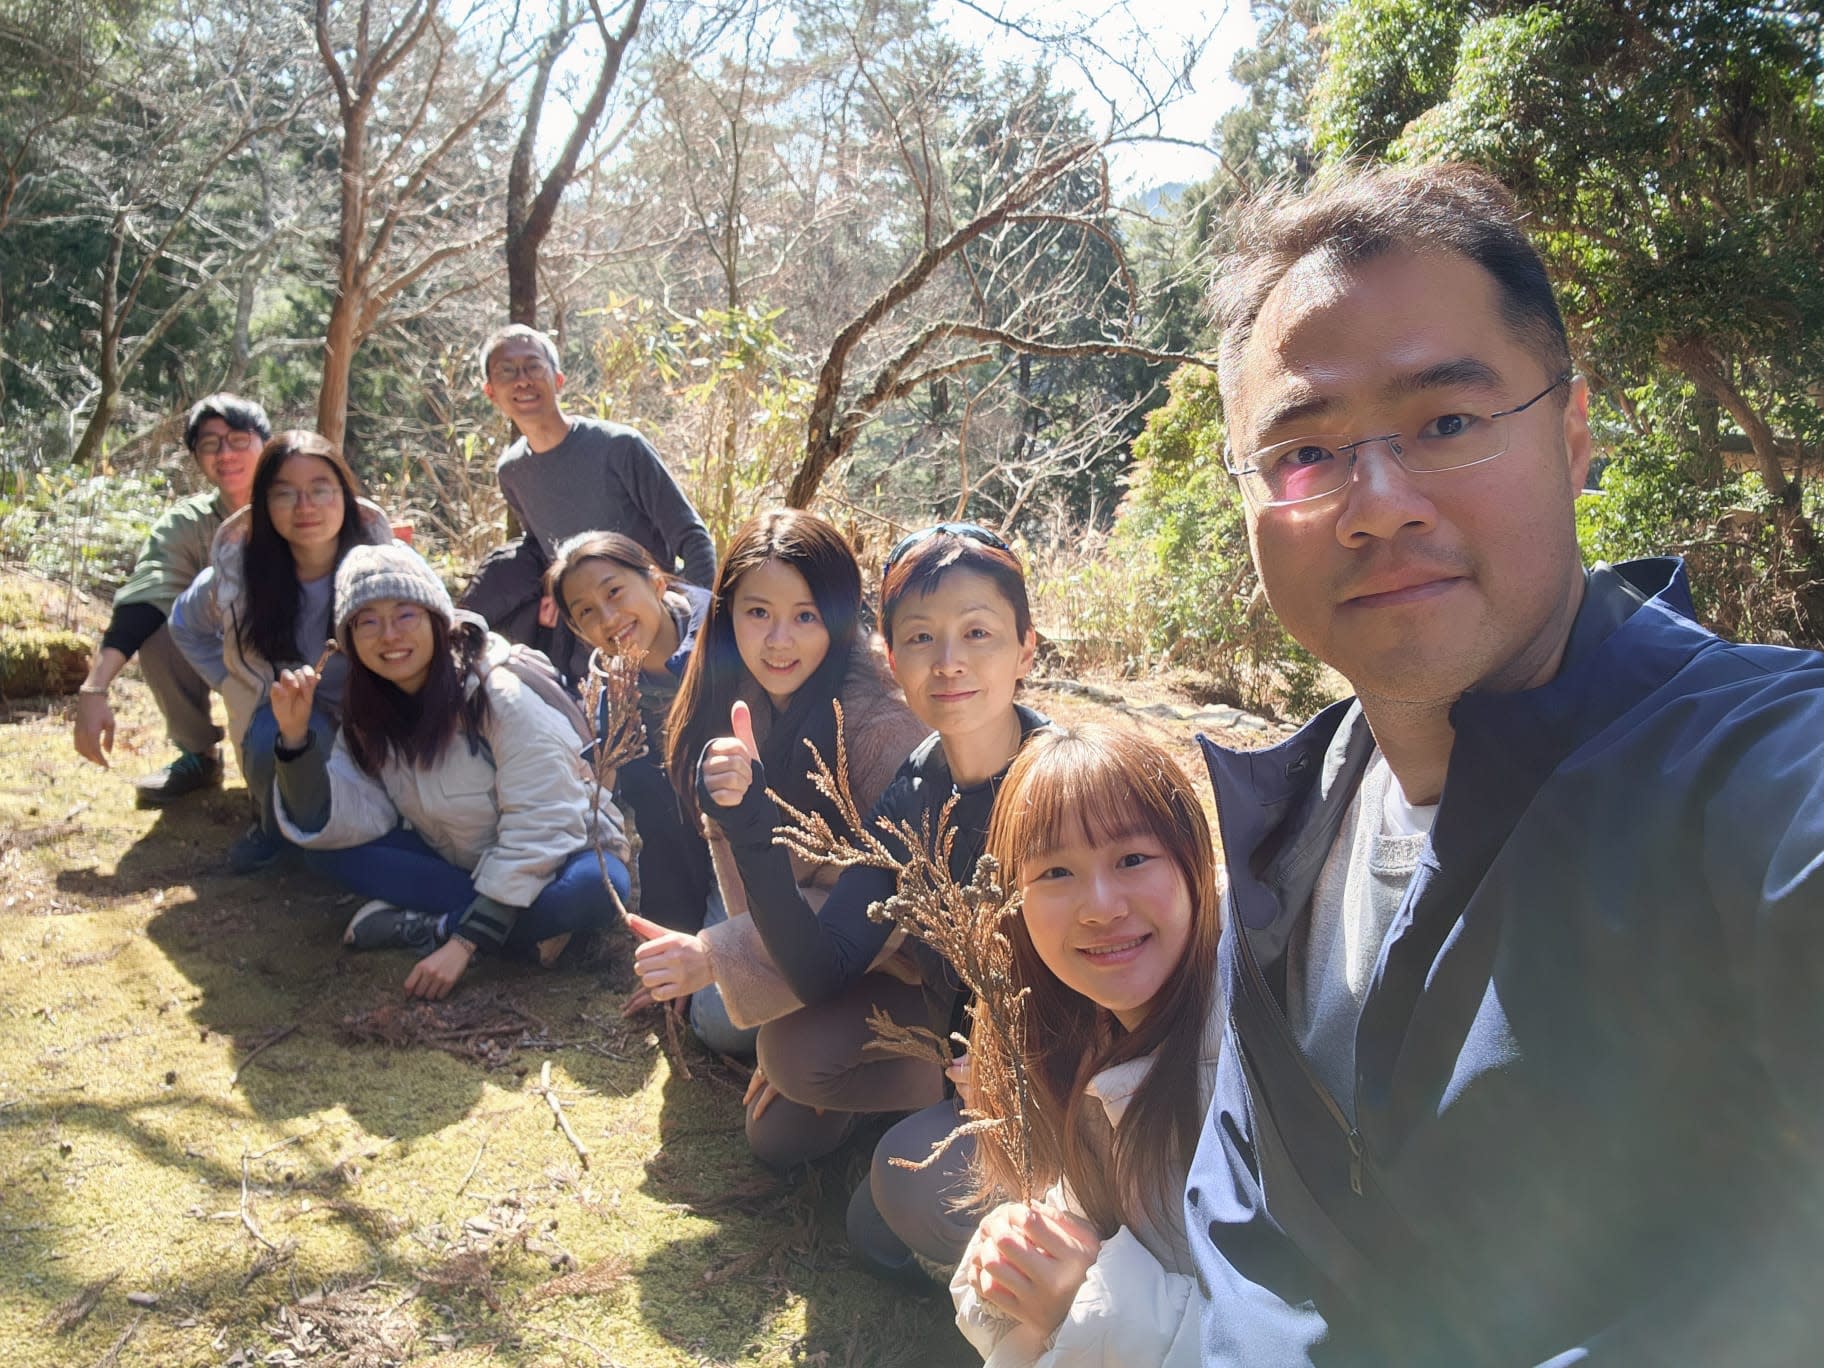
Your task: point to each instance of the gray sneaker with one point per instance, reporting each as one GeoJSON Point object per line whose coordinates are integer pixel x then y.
{"type": "Point", "coordinates": [189, 773]}
{"type": "Point", "coordinates": [378, 925]}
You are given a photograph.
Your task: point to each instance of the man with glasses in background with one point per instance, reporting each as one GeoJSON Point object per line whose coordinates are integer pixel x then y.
{"type": "Point", "coordinates": [224, 433]}
{"type": "Point", "coordinates": [565, 475]}
{"type": "Point", "coordinates": [1524, 944]}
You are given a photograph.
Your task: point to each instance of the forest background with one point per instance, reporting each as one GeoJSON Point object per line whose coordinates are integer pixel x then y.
{"type": "Point", "coordinates": [850, 254]}
{"type": "Point", "coordinates": [829, 252]}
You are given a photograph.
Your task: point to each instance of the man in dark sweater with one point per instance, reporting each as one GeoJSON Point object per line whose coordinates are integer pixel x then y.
{"type": "Point", "coordinates": [224, 432]}
{"type": "Point", "coordinates": [566, 475]}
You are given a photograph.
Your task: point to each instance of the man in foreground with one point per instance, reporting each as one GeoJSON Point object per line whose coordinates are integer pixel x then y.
{"type": "Point", "coordinates": [1525, 957]}
{"type": "Point", "coordinates": [224, 433]}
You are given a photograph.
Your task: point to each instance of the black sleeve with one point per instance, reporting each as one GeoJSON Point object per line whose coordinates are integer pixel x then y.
{"type": "Point", "coordinates": [820, 954]}
{"type": "Point", "coordinates": [130, 625]}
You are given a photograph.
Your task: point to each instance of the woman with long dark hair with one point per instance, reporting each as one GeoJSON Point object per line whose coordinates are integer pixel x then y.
{"type": "Point", "coordinates": [1101, 832]}
{"type": "Point", "coordinates": [442, 728]}
{"type": "Point", "coordinates": [264, 604]}
{"type": "Point", "coordinates": [781, 645]}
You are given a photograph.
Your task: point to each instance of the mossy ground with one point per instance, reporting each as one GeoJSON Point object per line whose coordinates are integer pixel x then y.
{"type": "Point", "coordinates": [348, 1202]}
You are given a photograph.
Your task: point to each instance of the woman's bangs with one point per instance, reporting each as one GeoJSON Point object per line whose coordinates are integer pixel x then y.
{"type": "Point", "coordinates": [1084, 793]}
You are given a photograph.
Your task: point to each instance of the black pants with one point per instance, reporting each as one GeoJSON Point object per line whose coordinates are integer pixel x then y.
{"type": "Point", "coordinates": [675, 872]}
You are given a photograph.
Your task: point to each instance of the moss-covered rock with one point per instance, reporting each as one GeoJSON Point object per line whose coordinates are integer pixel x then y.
{"type": "Point", "coordinates": [41, 660]}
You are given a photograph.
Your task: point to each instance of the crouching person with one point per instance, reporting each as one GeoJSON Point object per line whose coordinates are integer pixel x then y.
{"type": "Point", "coordinates": [441, 730]}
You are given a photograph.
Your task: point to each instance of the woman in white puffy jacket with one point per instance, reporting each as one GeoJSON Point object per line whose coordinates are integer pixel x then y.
{"type": "Point", "coordinates": [441, 729]}
{"type": "Point", "coordinates": [1102, 834]}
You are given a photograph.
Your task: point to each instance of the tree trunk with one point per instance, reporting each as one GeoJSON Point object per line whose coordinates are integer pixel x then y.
{"type": "Point", "coordinates": [107, 363]}
{"type": "Point", "coordinates": [338, 360]}
{"type": "Point", "coordinates": [341, 336]}
{"type": "Point", "coordinates": [522, 279]}
{"type": "Point", "coordinates": [529, 216]}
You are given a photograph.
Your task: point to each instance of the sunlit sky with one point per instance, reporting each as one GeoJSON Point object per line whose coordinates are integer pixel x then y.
{"type": "Point", "coordinates": [1167, 27]}
{"type": "Point", "coordinates": [1151, 43]}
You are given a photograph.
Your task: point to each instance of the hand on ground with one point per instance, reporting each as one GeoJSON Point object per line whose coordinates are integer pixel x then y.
{"type": "Point", "coordinates": [435, 975]}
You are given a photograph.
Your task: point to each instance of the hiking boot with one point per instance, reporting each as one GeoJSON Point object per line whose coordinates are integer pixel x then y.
{"type": "Point", "coordinates": [254, 849]}
{"type": "Point", "coordinates": [189, 773]}
{"type": "Point", "coordinates": [378, 925]}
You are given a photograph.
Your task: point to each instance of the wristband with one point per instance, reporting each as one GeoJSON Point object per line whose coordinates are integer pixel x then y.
{"type": "Point", "coordinates": [97, 689]}
{"type": "Point", "coordinates": [457, 938]}
{"type": "Point", "coordinates": [288, 753]}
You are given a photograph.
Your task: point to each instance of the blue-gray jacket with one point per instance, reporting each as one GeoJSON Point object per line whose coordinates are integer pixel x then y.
{"type": "Point", "coordinates": [1589, 1095]}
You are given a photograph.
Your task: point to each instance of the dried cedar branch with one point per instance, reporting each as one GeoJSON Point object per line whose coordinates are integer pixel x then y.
{"type": "Point", "coordinates": [965, 923]}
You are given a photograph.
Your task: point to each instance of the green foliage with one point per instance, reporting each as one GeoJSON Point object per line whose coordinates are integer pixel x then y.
{"type": "Point", "coordinates": [1183, 533]}
{"type": "Point", "coordinates": [86, 529]}
{"type": "Point", "coordinates": [1670, 157]}
{"type": "Point", "coordinates": [1735, 557]}
{"type": "Point", "coordinates": [1395, 59]}
{"type": "Point", "coordinates": [718, 392]}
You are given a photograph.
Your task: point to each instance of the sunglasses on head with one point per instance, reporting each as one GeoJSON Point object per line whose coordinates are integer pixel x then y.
{"type": "Point", "coordinates": [973, 531]}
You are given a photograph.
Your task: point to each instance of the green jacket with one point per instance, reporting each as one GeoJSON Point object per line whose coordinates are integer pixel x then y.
{"type": "Point", "coordinates": [175, 553]}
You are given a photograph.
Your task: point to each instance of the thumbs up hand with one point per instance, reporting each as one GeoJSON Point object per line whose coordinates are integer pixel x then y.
{"type": "Point", "coordinates": [727, 771]}
{"type": "Point", "coordinates": [671, 965]}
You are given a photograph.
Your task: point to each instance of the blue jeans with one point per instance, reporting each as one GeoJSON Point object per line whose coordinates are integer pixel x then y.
{"type": "Point", "coordinates": [401, 869]}
{"type": "Point", "coordinates": [259, 765]}
{"type": "Point", "coordinates": [708, 1015]}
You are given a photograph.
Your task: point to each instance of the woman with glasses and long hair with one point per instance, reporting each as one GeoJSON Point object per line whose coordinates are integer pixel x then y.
{"type": "Point", "coordinates": [781, 646]}
{"type": "Point", "coordinates": [1101, 833]}
{"type": "Point", "coordinates": [959, 637]}
{"type": "Point", "coordinates": [264, 603]}
{"type": "Point", "coordinates": [443, 730]}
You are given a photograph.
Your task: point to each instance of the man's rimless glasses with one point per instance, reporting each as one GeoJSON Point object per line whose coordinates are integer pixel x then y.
{"type": "Point", "coordinates": [1307, 468]}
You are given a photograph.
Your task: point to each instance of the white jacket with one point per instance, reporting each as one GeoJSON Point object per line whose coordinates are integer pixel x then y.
{"type": "Point", "coordinates": [511, 812]}
{"type": "Point", "coordinates": [1138, 1305]}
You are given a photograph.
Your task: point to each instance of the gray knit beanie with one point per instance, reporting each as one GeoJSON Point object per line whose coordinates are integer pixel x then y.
{"type": "Point", "coordinates": [393, 571]}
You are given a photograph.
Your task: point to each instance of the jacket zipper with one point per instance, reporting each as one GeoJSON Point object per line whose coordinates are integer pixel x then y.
{"type": "Point", "coordinates": [1258, 983]}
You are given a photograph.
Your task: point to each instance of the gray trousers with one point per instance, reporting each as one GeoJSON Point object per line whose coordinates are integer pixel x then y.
{"type": "Point", "coordinates": [923, 1210]}
{"type": "Point", "coordinates": [180, 692]}
{"type": "Point", "coordinates": [817, 1058]}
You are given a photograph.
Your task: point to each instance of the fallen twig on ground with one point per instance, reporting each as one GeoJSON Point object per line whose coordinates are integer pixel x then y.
{"type": "Point", "coordinates": [246, 1214]}
{"type": "Point", "coordinates": [283, 1033]}
{"type": "Point", "coordinates": [112, 1357]}
{"type": "Point", "coordinates": [75, 1311]}
{"type": "Point", "coordinates": [481, 1027]}
{"type": "Point", "coordinates": [557, 1110]}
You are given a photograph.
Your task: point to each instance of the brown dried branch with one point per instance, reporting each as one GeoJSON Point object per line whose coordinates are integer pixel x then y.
{"type": "Point", "coordinates": [557, 1110]}
{"type": "Point", "coordinates": [978, 1126]}
{"type": "Point", "coordinates": [911, 1042]}
{"type": "Point", "coordinates": [965, 923]}
{"type": "Point", "coordinates": [611, 701]}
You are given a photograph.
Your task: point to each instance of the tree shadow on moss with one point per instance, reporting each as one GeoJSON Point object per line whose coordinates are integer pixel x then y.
{"type": "Point", "coordinates": [716, 1294]}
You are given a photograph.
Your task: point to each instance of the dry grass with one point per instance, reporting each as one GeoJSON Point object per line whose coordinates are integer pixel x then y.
{"type": "Point", "coordinates": [411, 1201]}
